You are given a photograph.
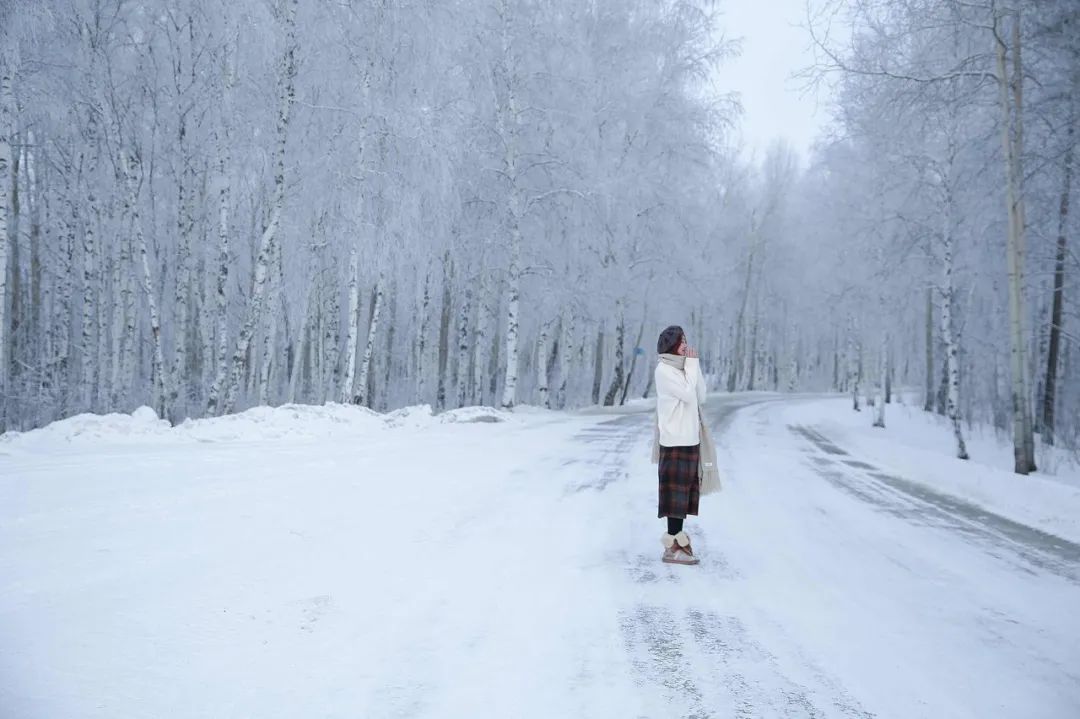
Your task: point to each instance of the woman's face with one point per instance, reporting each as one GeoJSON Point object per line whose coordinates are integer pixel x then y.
{"type": "Point", "coordinates": [681, 349]}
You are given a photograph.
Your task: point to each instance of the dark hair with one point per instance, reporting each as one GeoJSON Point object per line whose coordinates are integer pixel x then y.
{"type": "Point", "coordinates": [669, 340]}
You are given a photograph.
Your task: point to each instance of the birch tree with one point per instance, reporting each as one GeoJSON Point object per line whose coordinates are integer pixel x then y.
{"type": "Point", "coordinates": [462, 380]}
{"type": "Point", "coordinates": [6, 128]}
{"type": "Point", "coordinates": [224, 151]}
{"type": "Point", "coordinates": [353, 323]}
{"type": "Point", "coordinates": [286, 13]}
{"type": "Point", "coordinates": [361, 394]}
{"type": "Point", "coordinates": [1049, 397]}
{"type": "Point", "coordinates": [947, 325]}
{"type": "Point", "coordinates": [1010, 87]}
{"type": "Point", "coordinates": [558, 156]}
{"type": "Point", "coordinates": [506, 79]}
{"type": "Point", "coordinates": [130, 163]}
{"type": "Point", "coordinates": [936, 58]}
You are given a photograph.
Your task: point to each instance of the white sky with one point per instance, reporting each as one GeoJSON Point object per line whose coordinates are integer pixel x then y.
{"type": "Point", "coordinates": [774, 47]}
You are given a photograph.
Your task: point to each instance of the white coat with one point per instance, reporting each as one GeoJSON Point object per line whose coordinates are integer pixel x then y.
{"type": "Point", "coordinates": [679, 396]}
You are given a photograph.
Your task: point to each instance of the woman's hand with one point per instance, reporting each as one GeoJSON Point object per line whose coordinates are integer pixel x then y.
{"type": "Point", "coordinates": [685, 349]}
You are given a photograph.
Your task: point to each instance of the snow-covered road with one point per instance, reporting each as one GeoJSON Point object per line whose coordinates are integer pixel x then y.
{"type": "Point", "coordinates": [512, 570]}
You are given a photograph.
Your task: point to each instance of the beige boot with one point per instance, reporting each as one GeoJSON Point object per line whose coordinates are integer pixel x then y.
{"type": "Point", "coordinates": [677, 549]}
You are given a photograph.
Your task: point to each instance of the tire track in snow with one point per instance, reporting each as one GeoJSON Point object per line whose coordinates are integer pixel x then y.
{"type": "Point", "coordinates": [608, 445]}
{"type": "Point", "coordinates": [707, 664]}
{"type": "Point", "coordinates": [696, 661]}
{"type": "Point", "coordinates": [919, 504]}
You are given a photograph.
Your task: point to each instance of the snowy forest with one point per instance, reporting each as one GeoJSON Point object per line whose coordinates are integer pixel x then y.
{"type": "Point", "coordinates": [209, 206]}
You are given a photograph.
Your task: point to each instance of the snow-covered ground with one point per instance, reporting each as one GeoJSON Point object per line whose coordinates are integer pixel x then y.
{"type": "Point", "coordinates": [331, 562]}
{"type": "Point", "coordinates": [920, 446]}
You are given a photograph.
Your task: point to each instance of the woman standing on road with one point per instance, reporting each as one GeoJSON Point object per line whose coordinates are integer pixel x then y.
{"type": "Point", "coordinates": [681, 440]}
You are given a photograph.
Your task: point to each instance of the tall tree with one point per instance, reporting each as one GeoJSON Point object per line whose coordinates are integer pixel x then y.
{"type": "Point", "coordinates": [286, 15]}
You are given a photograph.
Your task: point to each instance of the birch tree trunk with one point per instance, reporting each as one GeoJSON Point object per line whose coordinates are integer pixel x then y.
{"type": "Point", "coordinates": [480, 342]}
{"type": "Point", "coordinates": [853, 364]}
{"type": "Point", "coordinates": [303, 351]}
{"type": "Point", "coordinates": [890, 372]}
{"type": "Point", "coordinates": [620, 341]}
{"type": "Point", "coordinates": [1049, 398]}
{"type": "Point", "coordinates": [444, 337]}
{"type": "Point", "coordinates": [353, 323]}
{"type": "Point", "coordinates": [286, 93]}
{"type": "Point", "coordinates": [66, 290]}
{"type": "Point", "coordinates": [463, 348]}
{"type": "Point", "coordinates": [38, 331]}
{"type": "Point", "coordinates": [836, 363]}
{"type": "Point", "coordinates": [1012, 147]}
{"type": "Point", "coordinates": [494, 360]}
{"type": "Point", "coordinates": [952, 400]}
{"type": "Point", "coordinates": [271, 329]}
{"type": "Point", "coordinates": [123, 369]}
{"type": "Point", "coordinates": [421, 342]}
{"type": "Point", "coordinates": [507, 120]}
{"type": "Point", "coordinates": [221, 333]}
{"type": "Point", "coordinates": [513, 298]}
{"type": "Point", "coordinates": [883, 372]}
{"type": "Point", "coordinates": [752, 355]}
{"type": "Point", "coordinates": [239, 366]}
{"type": "Point", "coordinates": [1021, 225]}
{"type": "Point", "coordinates": [329, 340]}
{"type": "Point", "coordinates": [312, 379]}
{"type": "Point", "coordinates": [130, 162]}
{"type": "Point", "coordinates": [793, 362]}
{"type": "Point", "coordinates": [568, 329]}
{"type": "Point", "coordinates": [362, 395]}
{"type": "Point", "coordinates": [928, 402]}
{"type": "Point", "coordinates": [633, 359]}
{"type": "Point", "coordinates": [388, 358]}
{"type": "Point", "coordinates": [542, 366]}
{"type": "Point", "coordinates": [737, 374]}
{"type": "Point", "coordinates": [116, 328]}
{"type": "Point", "coordinates": [224, 150]}
{"type": "Point", "coordinates": [16, 356]}
{"type": "Point", "coordinates": [89, 253]}
{"type": "Point", "coordinates": [598, 366]}
{"type": "Point", "coordinates": [6, 131]}
{"type": "Point", "coordinates": [106, 300]}
{"type": "Point", "coordinates": [182, 291]}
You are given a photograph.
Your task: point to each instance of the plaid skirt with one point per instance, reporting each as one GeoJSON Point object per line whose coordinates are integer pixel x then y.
{"type": "Point", "coordinates": [680, 485]}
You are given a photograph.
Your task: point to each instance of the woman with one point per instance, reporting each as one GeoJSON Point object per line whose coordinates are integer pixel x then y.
{"type": "Point", "coordinates": [680, 394]}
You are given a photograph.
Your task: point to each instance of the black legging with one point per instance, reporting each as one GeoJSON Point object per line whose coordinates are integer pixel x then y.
{"type": "Point", "coordinates": [674, 525]}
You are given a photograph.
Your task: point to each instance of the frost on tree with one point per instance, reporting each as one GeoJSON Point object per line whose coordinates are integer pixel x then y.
{"type": "Point", "coordinates": [5, 194]}
{"type": "Point", "coordinates": [353, 319]}
{"type": "Point", "coordinates": [155, 254]}
{"type": "Point", "coordinates": [286, 12]}
{"type": "Point", "coordinates": [361, 393]}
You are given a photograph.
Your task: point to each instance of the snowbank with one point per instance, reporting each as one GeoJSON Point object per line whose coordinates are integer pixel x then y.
{"type": "Point", "coordinates": [920, 447]}
{"type": "Point", "coordinates": [290, 421]}
{"type": "Point", "coordinates": [92, 428]}
{"type": "Point", "coordinates": [231, 567]}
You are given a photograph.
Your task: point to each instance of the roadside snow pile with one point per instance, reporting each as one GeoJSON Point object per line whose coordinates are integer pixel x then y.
{"type": "Point", "coordinates": [93, 428]}
{"type": "Point", "coordinates": [290, 421]}
{"type": "Point", "coordinates": [299, 421]}
{"type": "Point", "coordinates": [420, 416]}
{"type": "Point", "coordinates": [920, 447]}
{"type": "Point", "coordinates": [415, 417]}
{"type": "Point", "coordinates": [473, 414]}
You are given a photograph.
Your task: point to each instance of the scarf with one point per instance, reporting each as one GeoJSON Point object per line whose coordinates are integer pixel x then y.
{"type": "Point", "coordinates": [708, 473]}
{"type": "Point", "coordinates": [676, 361]}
